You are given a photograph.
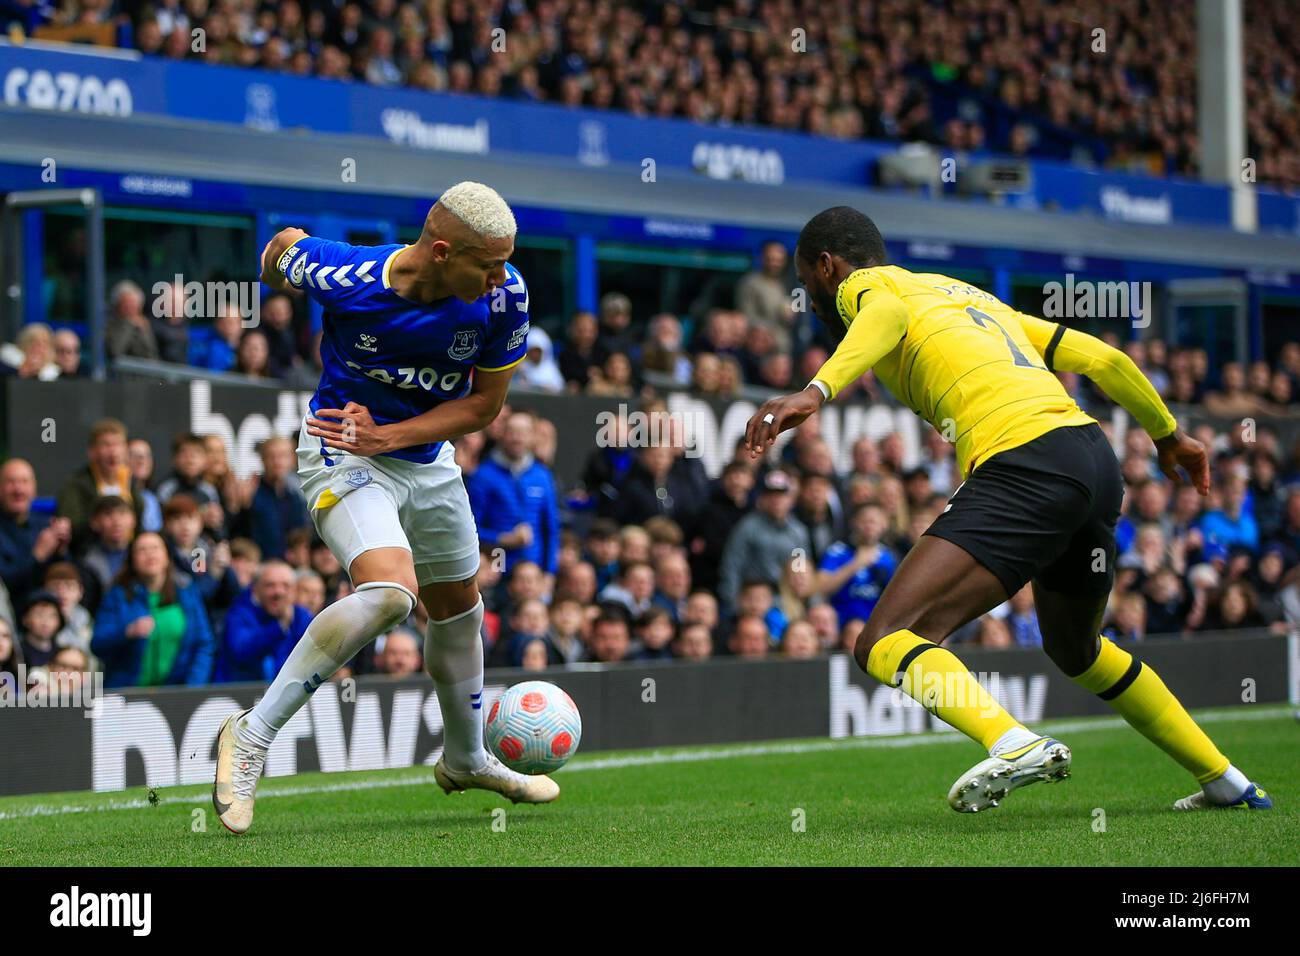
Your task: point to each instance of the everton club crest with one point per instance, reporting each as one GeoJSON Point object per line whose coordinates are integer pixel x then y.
{"type": "Point", "coordinates": [464, 345]}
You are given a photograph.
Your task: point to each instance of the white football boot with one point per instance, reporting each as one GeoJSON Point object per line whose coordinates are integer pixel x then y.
{"type": "Point", "coordinates": [989, 781]}
{"type": "Point", "coordinates": [496, 776]}
{"type": "Point", "coordinates": [239, 765]}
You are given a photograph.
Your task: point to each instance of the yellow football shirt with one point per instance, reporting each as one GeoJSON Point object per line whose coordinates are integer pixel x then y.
{"type": "Point", "coordinates": [972, 366]}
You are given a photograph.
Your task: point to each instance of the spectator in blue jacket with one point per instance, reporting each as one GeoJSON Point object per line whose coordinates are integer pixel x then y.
{"type": "Point", "coordinates": [29, 542]}
{"type": "Point", "coordinates": [853, 574]}
{"type": "Point", "coordinates": [217, 350]}
{"type": "Point", "coordinates": [1232, 525]}
{"type": "Point", "coordinates": [262, 627]}
{"type": "Point", "coordinates": [152, 627]}
{"type": "Point", "coordinates": [513, 498]}
{"type": "Point", "coordinates": [276, 506]}
{"type": "Point", "coordinates": [1022, 620]}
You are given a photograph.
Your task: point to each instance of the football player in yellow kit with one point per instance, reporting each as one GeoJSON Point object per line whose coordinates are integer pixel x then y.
{"type": "Point", "coordinates": [1039, 502]}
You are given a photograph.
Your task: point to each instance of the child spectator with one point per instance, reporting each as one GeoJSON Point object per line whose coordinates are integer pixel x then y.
{"type": "Point", "coordinates": [755, 599]}
{"type": "Point", "coordinates": [694, 643]}
{"type": "Point", "coordinates": [64, 582]}
{"type": "Point", "coordinates": [112, 526]}
{"type": "Point", "coordinates": [245, 556]}
{"type": "Point", "coordinates": [654, 633]}
{"type": "Point", "coordinates": [42, 620]}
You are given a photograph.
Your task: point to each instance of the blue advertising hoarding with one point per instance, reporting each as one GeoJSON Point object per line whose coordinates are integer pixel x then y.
{"type": "Point", "coordinates": [121, 83]}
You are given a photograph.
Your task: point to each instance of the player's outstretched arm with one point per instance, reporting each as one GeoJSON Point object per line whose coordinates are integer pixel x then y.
{"type": "Point", "coordinates": [1069, 350]}
{"type": "Point", "coordinates": [872, 334]}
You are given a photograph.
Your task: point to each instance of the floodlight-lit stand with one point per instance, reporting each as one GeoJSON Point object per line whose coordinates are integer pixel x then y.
{"type": "Point", "coordinates": [92, 202]}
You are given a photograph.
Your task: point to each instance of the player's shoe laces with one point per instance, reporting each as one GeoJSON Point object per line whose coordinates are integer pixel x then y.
{"type": "Point", "coordinates": [1253, 797]}
{"type": "Point", "coordinates": [494, 775]}
{"type": "Point", "coordinates": [989, 781]}
{"type": "Point", "coordinates": [239, 765]}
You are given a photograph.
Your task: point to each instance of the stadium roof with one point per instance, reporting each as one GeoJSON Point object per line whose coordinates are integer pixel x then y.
{"type": "Point", "coordinates": [290, 158]}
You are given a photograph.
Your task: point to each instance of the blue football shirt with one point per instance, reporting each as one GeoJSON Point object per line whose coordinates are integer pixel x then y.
{"type": "Point", "coordinates": [396, 357]}
{"type": "Point", "coordinates": [857, 597]}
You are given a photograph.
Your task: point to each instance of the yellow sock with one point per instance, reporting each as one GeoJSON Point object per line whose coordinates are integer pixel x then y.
{"type": "Point", "coordinates": [936, 679]}
{"type": "Point", "coordinates": [1141, 698]}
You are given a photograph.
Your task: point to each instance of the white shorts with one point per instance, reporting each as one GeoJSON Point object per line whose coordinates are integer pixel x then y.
{"type": "Point", "coordinates": [386, 502]}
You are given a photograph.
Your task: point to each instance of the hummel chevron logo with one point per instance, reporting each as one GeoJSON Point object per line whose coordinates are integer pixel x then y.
{"type": "Point", "coordinates": [321, 277]}
{"type": "Point", "coordinates": [517, 287]}
{"type": "Point", "coordinates": [341, 276]}
{"type": "Point", "coordinates": [363, 271]}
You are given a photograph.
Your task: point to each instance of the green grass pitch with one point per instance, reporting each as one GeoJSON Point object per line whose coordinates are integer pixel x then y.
{"type": "Point", "coordinates": [878, 801]}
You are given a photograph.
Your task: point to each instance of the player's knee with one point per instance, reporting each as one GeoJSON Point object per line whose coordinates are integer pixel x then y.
{"type": "Point", "coordinates": [392, 604]}
{"type": "Point", "coordinates": [871, 632]}
{"type": "Point", "coordinates": [1072, 657]}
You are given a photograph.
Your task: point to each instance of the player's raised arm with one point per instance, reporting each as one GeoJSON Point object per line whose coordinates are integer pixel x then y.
{"type": "Point", "coordinates": [275, 263]}
{"type": "Point", "coordinates": [876, 321]}
{"type": "Point", "coordinates": [1069, 350]}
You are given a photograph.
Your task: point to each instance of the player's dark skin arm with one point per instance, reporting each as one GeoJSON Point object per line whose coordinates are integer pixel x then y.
{"type": "Point", "coordinates": [351, 428]}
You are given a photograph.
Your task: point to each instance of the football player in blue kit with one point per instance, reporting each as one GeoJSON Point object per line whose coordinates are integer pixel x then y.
{"type": "Point", "coordinates": [418, 346]}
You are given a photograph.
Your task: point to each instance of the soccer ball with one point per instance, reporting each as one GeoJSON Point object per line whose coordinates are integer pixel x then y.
{"type": "Point", "coordinates": [534, 727]}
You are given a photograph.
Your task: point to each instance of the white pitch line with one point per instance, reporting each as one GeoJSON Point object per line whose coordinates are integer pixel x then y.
{"type": "Point", "coordinates": [650, 759]}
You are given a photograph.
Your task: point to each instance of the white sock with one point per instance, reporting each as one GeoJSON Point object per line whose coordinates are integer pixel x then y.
{"type": "Point", "coordinates": [332, 639]}
{"type": "Point", "coordinates": [1013, 738]}
{"type": "Point", "coordinates": [1226, 788]}
{"type": "Point", "coordinates": [453, 656]}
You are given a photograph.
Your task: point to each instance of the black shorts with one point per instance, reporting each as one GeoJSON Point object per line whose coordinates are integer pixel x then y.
{"type": "Point", "coordinates": [1045, 511]}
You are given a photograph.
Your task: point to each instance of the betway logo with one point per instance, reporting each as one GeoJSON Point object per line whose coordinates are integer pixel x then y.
{"type": "Point", "coordinates": [241, 443]}
{"type": "Point", "coordinates": [123, 726]}
{"type": "Point", "coordinates": [407, 128]}
{"type": "Point", "coordinates": [860, 711]}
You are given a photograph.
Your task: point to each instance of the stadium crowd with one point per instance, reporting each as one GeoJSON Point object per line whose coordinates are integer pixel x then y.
{"type": "Point", "coordinates": [1031, 77]}
{"type": "Point", "coordinates": [160, 566]}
